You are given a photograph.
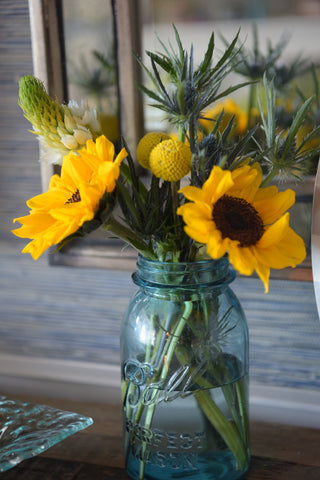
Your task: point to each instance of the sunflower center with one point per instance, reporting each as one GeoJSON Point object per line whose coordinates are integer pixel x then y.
{"type": "Point", "coordinates": [238, 220]}
{"type": "Point", "coordinates": [75, 197]}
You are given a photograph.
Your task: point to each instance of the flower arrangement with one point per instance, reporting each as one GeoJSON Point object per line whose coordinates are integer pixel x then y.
{"type": "Point", "coordinates": [211, 191]}
{"type": "Point", "coordinates": [230, 155]}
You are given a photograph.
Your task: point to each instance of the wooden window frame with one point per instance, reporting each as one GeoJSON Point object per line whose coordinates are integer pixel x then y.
{"type": "Point", "coordinates": [46, 24]}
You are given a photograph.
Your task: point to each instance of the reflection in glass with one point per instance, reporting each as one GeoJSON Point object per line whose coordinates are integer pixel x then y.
{"type": "Point", "coordinates": [90, 57]}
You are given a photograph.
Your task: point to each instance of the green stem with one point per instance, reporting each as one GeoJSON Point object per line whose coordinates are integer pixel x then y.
{"type": "Point", "coordinates": [229, 432]}
{"type": "Point", "coordinates": [174, 196]}
{"type": "Point", "coordinates": [173, 340]}
{"type": "Point", "coordinates": [241, 393]}
{"type": "Point", "coordinates": [268, 179]}
{"type": "Point", "coordinates": [181, 135]}
{"type": "Point", "coordinates": [226, 429]}
{"type": "Point", "coordinates": [252, 94]}
{"type": "Point", "coordinates": [124, 233]}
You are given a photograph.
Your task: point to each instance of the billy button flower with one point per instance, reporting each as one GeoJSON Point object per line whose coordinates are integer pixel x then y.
{"type": "Point", "coordinates": [147, 144]}
{"type": "Point", "coordinates": [73, 198]}
{"type": "Point", "coordinates": [170, 160]}
{"type": "Point", "coordinates": [233, 215]}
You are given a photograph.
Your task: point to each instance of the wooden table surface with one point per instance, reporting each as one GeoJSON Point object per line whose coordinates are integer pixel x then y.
{"type": "Point", "coordinates": [279, 452]}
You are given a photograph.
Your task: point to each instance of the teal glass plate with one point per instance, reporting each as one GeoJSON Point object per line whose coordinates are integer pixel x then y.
{"type": "Point", "coordinates": [27, 429]}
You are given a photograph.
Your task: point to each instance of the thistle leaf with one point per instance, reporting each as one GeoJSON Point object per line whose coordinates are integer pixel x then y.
{"type": "Point", "coordinates": [205, 64]}
{"type": "Point", "coordinates": [300, 116]}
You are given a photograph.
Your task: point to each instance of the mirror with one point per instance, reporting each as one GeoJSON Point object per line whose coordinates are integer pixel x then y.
{"type": "Point", "coordinates": [91, 59]}
{"type": "Point", "coordinates": [87, 48]}
{"type": "Point", "coordinates": [79, 53]}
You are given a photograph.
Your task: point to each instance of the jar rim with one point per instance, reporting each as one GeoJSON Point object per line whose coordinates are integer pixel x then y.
{"type": "Point", "coordinates": [191, 275]}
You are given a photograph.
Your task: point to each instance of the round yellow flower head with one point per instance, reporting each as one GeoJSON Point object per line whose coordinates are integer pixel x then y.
{"type": "Point", "coordinates": [147, 144]}
{"type": "Point", "coordinates": [170, 160]}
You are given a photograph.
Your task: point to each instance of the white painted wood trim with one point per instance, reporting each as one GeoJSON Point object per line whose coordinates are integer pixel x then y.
{"type": "Point", "coordinates": [315, 239]}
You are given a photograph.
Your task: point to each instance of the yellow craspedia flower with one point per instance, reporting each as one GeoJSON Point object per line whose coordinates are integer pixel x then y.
{"type": "Point", "coordinates": [231, 214]}
{"type": "Point", "coordinates": [170, 160]}
{"type": "Point", "coordinates": [147, 144]}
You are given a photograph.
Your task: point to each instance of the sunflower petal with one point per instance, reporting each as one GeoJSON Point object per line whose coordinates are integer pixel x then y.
{"type": "Point", "coordinates": [218, 183]}
{"type": "Point", "coordinates": [217, 247]}
{"type": "Point", "coordinates": [194, 194]}
{"type": "Point", "coordinates": [104, 149]}
{"type": "Point", "coordinates": [242, 258]}
{"type": "Point", "coordinates": [264, 273]}
{"type": "Point", "coordinates": [275, 233]}
{"type": "Point", "coordinates": [271, 208]}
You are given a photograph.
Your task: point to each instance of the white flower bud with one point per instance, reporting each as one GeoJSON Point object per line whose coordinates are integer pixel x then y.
{"type": "Point", "coordinates": [82, 134]}
{"type": "Point", "coordinates": [69, 121]}
{"type": "Point", "coordinates": [70, 142]}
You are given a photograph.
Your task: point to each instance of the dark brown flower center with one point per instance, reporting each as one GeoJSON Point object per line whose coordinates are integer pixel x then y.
{"type": "Point", "coordinates": [75, 197]}
{"type": "Point", "coordinates": [238, 220]}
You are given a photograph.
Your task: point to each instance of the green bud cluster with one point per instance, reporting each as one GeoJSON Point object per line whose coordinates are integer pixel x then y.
{"type": "Point", "coordinates": [61, 128]}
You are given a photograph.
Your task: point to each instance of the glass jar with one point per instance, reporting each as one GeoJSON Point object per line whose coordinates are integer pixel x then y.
{"type": "Point", "coordinates": [184, 362]}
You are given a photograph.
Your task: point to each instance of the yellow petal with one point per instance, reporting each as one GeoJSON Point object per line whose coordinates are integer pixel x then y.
{"type": "Point", "coordinates": [192, 210]}
{"type": "Point", "coordinates": [36, 248]}
{"type": "Point", "coordinates": [266, 192]}
{"type": "Point", "coordinates": [197, 234]}
{"type": "Point", "coordinates": [247, 180]}
{"type": "Point", "coordinates": [198, 221]}
{"type": "Point", "coordinates": [264, 273]}
{"type": "Point", "coordinates": [217, 185]}
{"type": "Point", "coordinates": [275, 233]}
{"type": "Point", "coordinates": [33, 225]}
{"type": "Point", "coordinates": [216, 246]}
{"type": "Point", "coordinates": [75, 169]}
{"type": "Point", "coordinates": [288, 252]}
{"type": "Point", "coordinates": [194, 194]}
{"type": "Point", "coordinates": [105, 149]}
{"type": "Point", "coordinates": [121, 155]}
{"type": "Point", "coordinates": [271, 208]}
{"type": "Point", "coordinates": [242, 258]}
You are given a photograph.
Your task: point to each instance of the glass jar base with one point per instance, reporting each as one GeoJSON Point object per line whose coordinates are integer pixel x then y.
{"type": "Point", "coordinates": [193, 466]}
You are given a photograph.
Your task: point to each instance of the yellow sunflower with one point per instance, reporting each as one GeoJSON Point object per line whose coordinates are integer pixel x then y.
{"type": "Point", "coordinates": [72, 198]}
{"type": "Point", "coordinates": [233, 215]}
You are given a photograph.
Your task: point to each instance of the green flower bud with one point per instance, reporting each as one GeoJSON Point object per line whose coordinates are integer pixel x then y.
{"type": "Point", "coordinates": [61, 128]}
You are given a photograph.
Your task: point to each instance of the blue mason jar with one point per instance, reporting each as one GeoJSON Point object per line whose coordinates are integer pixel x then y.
{"type": "Point", "coordinates": [184, 362]}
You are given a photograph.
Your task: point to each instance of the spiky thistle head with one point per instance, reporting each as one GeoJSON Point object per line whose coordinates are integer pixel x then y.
{"type": "Point", "coordinates": [189, 89]}
{"type": "Point", "coordinates": [283, 156]}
